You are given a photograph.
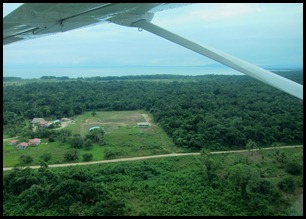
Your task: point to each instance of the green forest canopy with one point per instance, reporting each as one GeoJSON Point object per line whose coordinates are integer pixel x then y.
{"type": "Point", "coordinates": [225, 184]}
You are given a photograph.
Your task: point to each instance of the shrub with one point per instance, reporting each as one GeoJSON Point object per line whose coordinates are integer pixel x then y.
{"type": "Point", "coordinates": [87, 157]}
{"type": "Point", "coordinates": [294, 168]}
{"type": "Point", "coordinates": [25, 159]}
{"type": "Point", "coordinates": [287, 185]}
{"type": "Point", "coordinates": [71, 155]}
{"type": "Point", "coordinates": [46, 157]}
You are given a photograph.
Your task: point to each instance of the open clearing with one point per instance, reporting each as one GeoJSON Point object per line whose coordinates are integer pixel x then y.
{"type": "Point", "coordinates": [123, 139]}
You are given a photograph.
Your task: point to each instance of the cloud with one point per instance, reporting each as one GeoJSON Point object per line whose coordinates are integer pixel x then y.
{"type": "Point", "coordinates": [215, 12]}
{"type": "Point", "coordinates": [206, 14]}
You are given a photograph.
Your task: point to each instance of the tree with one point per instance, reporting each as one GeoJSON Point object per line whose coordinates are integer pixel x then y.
{"type": "Point", "coordinates": [294, 167]}
{"type": "Point", "coordinates": [76, 209]}
{"type": "Point", "coordinates": [43, 164]}
{"type": "Point", "coordinates": [262, 186]}
{"type": "Point", "coordinates": [46, 157]}
{"type": "Point", "coordinates": [96, 136]}
{"type": "Point", "coordinates": [88, 144]}
{"type": "Point", "coordinates": [77, 141]}
{"type": "Point", "coordinates": [87, 157]}
{"type": "Point", "coordinates": [51, 138]}
{"type": "Point", "coordinates": [71, 155]}
{"type": "Point", "coordinates": [251, 145]}
{"type": "Point", "coordinates": [93, 113]}
{"type": "Point", "coordinates": [205, 151]}
{"type": "Point", "coordinates": [211, 167]}
{"type": "Point", "coordinates": [109, 207]}
{"type": "Point", "coordinates": [281, 157]}
{"type": "Point", "coordinates": [25, 159]}
{"type": "Point", "coordinates": [287, 185]}
{"type": "Point", "coordinates": [63, 135]}
{"type": "Point", "coordinates": [241, 174]}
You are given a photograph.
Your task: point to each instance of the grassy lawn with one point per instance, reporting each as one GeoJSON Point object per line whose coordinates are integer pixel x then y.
{"type": "Point", "coordinates": [97, 153]}
{"type": "Point", "coordinates": [123, 138]}
{"type": "Point", "coordinates": [11, 154]}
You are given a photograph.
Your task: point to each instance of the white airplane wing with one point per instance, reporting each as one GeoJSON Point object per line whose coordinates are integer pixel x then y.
{"type": "Point", "coordinates": [33, 20]}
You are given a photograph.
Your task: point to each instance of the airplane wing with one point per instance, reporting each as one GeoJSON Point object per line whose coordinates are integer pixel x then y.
{"type": "Point", "coordinates": [33, 20]}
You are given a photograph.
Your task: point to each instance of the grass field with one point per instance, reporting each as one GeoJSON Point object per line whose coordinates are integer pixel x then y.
{"type": "Point", "coordinates": [123, 139]}
{"type": "Point", "coordinates": [56, 149]}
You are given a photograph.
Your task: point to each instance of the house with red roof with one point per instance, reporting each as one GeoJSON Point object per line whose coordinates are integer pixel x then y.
{"type": "Point", "coordinates": [34, 141]}
{"type": "Point", "coordinates": [40, 121]}
{"type": "Point", "coordinates": [12, 142]}
{"type": "Point", "coordinates": [22, 145]}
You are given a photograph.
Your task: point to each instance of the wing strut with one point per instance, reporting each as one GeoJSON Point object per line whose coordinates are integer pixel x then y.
{"type": "Point", "coordinates": [254, 71]}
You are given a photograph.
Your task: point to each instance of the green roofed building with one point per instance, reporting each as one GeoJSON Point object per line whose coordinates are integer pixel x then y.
{"type": "Point", "coordinates": [95, 127]}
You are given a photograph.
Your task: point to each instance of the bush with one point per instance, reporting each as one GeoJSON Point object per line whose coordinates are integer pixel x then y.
{"type": "Point", "coordinates": [51, 138]}
{"type": "Point", "coordinates": [294, 168]}
{"type": "Point", "coordinates": [262, 186]}
{"type": "Point", "coordinates": [88, 144]}
{"type": "Point", "coordinates": [71, 155]}
{"type": "Point", "coordinates": [110, 153]}
{"type": "Point", "coordinates": [87, 157]}
{"type": "Point", "coordinates": [25, 159]}
{"type": "Point", "coordinates": [46, 157]}
{"type": "Point", "coordinates": [77, 141]}
{"type": "Point", "coordinates": [287, 185]}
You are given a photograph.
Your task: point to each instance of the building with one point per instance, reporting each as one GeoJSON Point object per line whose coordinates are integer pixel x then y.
{"type": "Point", "coordinates": [57, 121]}
{"type": "Point", "coordinates": [34, 141]}
{"type": "Point", "coordinates": [43, 124]}
{"type": "Point", "coordinates": [95, 127]}
{"type": "Point", "coordinates": [40, 121]}
{"type": "Point", "coordinates": [143, 124]}
{"type": "Point", "coordinates": [65, 119]}
{"type": "Point", "coordinates": [22, 145]}
{"type": "Point", "coordinates": [37, 120]}
{"type": "Point", "coordinates": [12, 142]}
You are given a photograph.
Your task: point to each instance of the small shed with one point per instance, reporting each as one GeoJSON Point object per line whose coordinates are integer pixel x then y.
{"type": "Point", "coordinates": [143, 124]}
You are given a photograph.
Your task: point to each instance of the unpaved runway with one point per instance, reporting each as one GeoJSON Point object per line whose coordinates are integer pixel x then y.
{"type": "Point", "coordinates": [151, 157]}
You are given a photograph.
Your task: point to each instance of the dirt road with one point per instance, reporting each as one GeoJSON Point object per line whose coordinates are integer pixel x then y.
{"type": "Point", "coordinates": [150, 157]}
{"type": "Point", "coordinates": [148, 119]}
{"type": "Point", "coordinates": [6, 139]}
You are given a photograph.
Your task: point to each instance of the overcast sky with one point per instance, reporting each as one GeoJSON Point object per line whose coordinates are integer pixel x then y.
{"type": "Point", "coordinates": [260, 33]}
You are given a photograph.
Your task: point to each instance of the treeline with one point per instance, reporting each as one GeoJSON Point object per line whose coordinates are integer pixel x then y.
{"type": "Point", "coordinates": [54, 77]}
{"type": "Point", "coordinates": [215, 111]}
{"type": "Point", "coordinates": [11, 78]}
{"type": "Point", "coordinates": [139, 77]}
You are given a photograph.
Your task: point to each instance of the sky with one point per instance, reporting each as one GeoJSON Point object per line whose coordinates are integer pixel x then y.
{"type": "Point", "coordinates": [269, 35]}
